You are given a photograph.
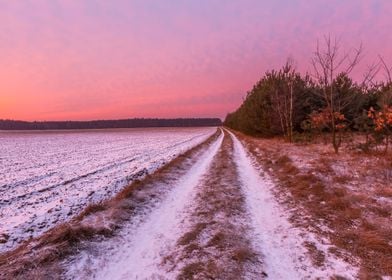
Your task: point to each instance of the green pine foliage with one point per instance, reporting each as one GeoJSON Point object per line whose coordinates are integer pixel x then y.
{"type": "Point", "coordinates": [259, 112]}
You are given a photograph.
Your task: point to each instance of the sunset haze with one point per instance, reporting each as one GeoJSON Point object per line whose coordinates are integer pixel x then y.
{"type": "Point", "coordinates": [82, 60]}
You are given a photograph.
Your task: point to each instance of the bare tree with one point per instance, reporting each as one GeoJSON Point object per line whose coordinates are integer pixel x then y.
{"type": "Point", "coordinates": [329, 62]}
{"type": "Point", "coordinates": [283, 97]}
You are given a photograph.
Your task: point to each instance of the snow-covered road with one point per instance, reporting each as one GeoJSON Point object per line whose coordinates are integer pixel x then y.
{"type": "Point", "coordinates": [213, 216]}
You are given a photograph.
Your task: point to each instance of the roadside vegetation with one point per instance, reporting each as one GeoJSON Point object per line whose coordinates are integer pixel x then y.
{"type": "Point", "coordinates": [325, 103]}
{"type": "Point", "coordinates": [325, 139]}
{"type": "Point", "coordinates": [345, 198]}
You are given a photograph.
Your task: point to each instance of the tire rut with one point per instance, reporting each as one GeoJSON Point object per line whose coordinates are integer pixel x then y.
{"type": "Point", "coordinates": [217, 244]}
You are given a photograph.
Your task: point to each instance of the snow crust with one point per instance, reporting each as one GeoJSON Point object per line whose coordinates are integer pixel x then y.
{"type": "Point", "coordinates": [137, 252]}
{"type": "Point", "coordinates": [275, 238]}
{"type": "Point", "coordinates": [48, 177]}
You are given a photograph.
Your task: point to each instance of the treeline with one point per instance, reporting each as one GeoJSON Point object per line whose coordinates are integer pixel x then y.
{"type": "Point", "coordinates": [288, 103]}
{"type": "Point", "coordinates": [100, 124]}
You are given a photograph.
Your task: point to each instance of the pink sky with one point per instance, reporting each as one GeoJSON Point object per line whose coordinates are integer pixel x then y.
{"type": "Point", "coordinates": [80, 60]}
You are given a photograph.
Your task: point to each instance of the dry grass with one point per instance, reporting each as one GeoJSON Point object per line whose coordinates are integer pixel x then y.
{"type": "Point", "coordinates": [203, 270]}
{"type": "Point", "coordinates": [39, 258]}
{"type": "Point", "coordinates": [384, 191]}
{"type": "Point", "coordinates": [192, 271]}
{"type": "Point", "coordinates": [324, 195]}
{"type": "Point", "coordinates": [192, 235]}
{"type": "Point", "coordinates": [91, 209]}
{"type": "Point", "coordinates": [343, 179]}
{"type": "Point", "coordinates": [219, 240]}
{"type": "Point", "coordinates": [30, 260]}
{"type": "Point", "coordinates": [128, 191]}
{"type": "Point", "coordinates": [317, 256]}
{"type": "Point", "coordinates": [324, 166]}
{"type": "Point", "coordinates": [216, 245]}
{"type": "Point", "coordinates": [243, 255]}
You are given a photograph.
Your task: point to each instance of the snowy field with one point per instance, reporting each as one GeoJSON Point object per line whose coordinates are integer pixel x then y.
{"type": "Point", "coordinates": [47, 177]}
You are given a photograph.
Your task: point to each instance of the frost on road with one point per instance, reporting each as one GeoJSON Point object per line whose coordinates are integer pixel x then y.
{"type": "Point", "coordinates": [211, 214]}
{"type": "Point", "coordinates": [218, 219]}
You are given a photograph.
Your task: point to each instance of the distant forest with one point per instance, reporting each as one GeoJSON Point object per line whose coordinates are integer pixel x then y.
{"type": "Point", "coordinates": [100, 124]}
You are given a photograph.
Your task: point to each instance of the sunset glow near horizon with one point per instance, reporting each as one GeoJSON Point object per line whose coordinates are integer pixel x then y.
{"type": "Point", "coordinates": [83, 60]}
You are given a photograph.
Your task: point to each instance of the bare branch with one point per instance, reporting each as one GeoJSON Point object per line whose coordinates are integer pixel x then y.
{"type": "Point", "coordinates": [355, 60]}
{"type": "Point", "coordinates": [387, 70]}
{"type": "Point", "coordinates": [328, 64]}
{"type": "Point", "coordinates": [370, 74]}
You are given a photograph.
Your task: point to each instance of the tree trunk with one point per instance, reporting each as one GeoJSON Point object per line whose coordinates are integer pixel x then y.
{"type": "Point", "coordinates": [291, 114]}
{"type": "Point", "coordinates": [335, 143]}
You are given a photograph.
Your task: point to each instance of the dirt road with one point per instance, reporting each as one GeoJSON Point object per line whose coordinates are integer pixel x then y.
{"type": "Point", "coordinates": [211, 215]}
{"type": "Point", "coordinates": [216, 220]}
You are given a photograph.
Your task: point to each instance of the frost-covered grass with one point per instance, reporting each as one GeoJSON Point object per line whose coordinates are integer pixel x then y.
{"type": "Point", "coordinates": [344, 198]}
{"type": "Point", "coordinates": [48, 177]}
{"type": "Point", "coordinates": [284, 247]}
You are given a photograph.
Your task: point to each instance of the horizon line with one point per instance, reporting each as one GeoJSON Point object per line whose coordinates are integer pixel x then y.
{"type": "Point", "coordinates": [121, 119]}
